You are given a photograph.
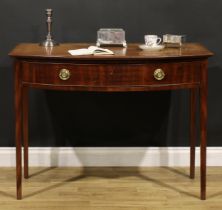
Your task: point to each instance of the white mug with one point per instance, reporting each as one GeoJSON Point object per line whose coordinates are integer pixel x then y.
{"type": "Point", "coordinates": [152, 40]}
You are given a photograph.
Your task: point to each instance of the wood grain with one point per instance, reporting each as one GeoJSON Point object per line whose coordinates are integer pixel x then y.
{"type": "Point", "coordinates": [203, 126]}
{"type": "Point", "coordinates": [193, 136]}
{"type": "Point", "coordinates": [132, 52]}
{"type": "Point", "coordinates": [111, 75]}
{"type": "Point", "coordinates": [25, 110]}
{"type": "Point", "coordinates": [18, 128]}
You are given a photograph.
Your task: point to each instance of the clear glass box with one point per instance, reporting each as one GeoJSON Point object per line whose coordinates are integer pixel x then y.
{"type": "Point", "coordinates": [111, 36]}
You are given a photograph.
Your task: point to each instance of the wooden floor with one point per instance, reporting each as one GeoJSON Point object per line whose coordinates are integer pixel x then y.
{"type": "Point", "coordinates": [110, 189]}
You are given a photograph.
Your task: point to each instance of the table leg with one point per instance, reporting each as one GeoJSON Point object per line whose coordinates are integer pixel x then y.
{"type": "Point", "coordinates": [18, 130]}
{"type": "Point", "coordinates": [203, 130]}
{"type": "Point", "coordinates": [193, 104]}
{"type": "Point", "coordinates": [25, 130]}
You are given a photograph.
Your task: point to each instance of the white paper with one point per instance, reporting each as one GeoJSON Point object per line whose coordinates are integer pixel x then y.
{"type": "Point", "coordinates": [80, 52]}
{"type": "Point", "coordinates": [92, 50]}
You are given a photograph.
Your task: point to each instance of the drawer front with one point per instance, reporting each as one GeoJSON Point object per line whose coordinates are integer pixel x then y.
{"type": "Point", "coordinates": [111, 74]}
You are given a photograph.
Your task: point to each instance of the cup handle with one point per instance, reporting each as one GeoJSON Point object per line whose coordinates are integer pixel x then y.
{"type": "Point", "coordinates": [159, 40]}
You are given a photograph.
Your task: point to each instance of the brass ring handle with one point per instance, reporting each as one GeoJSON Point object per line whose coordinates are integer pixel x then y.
{"type": "Point", "coordinates": [64, 74]}
{"type": "Point", "coordinates": [159, 74]}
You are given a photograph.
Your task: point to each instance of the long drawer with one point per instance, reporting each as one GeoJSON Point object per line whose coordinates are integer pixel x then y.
{"type": "Point", "coordinates": [111, 74]}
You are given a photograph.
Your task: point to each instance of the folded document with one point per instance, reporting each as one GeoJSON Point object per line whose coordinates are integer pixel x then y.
{"type": "Point", "coordinates": [92, 50]}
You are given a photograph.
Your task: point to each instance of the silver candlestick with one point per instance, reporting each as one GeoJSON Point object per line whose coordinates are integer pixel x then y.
{"type": "Point", "coordinates": [49, 42]}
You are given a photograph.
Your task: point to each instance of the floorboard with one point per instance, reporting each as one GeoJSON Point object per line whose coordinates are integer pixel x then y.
{"type": "Point", "coordinates": [129, 188]}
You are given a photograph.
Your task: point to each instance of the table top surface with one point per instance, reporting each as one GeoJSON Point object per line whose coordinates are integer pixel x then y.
{"type": "Point", "coordinates": [34, 50]}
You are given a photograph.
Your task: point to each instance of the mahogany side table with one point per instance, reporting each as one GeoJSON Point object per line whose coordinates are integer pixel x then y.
{"type": "Point", "coordinates": [128, 70]}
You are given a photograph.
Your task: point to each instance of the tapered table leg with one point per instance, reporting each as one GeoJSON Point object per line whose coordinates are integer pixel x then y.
{"type": "Point", "coordinates": [18, 130]}
{"type": "Point", "coordinates": [25, 130]}
{"type": "Point", "coordinates": [193, 104]}
{"type": "Point", "coordinates": [203, 130]}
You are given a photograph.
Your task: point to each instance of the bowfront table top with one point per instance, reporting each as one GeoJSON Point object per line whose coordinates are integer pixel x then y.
{"type": "Point", "coordinates": [132, 52]}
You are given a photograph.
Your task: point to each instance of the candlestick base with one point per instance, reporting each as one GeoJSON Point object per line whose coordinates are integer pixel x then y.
{"type": "Point", "coordinates": [49, 43]}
